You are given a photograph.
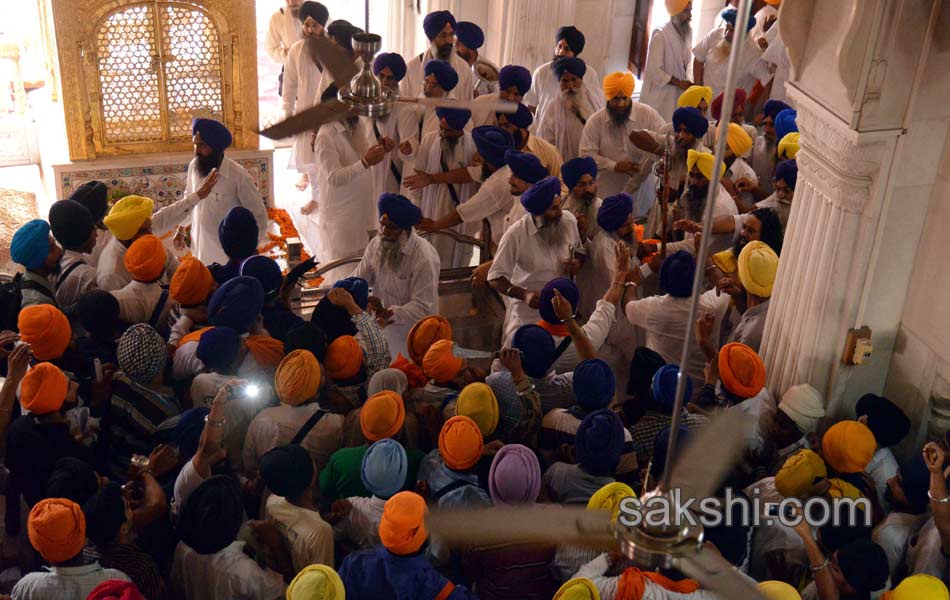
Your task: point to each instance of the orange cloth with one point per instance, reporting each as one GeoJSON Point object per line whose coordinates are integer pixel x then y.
{"type": "Point", "coordinates": [298, 377]}
{"type": "Point", "coordinates": [848, 446]}
{"type": "Point", "coordinates": [46, 329]}
{"type": "Point", "coordinates": [413, 371]}
{"type": "Point", "coordinates": [57, 529]}
{"type": "Point", "coordinates": [633, 583]}
{"type": "Point", "coordinates": [402, 528]}
{"type": "Point", "coordinates": [267, 351]}
{"type": "Point", "coordinates": [43, 389]}
{"type": "Point", "coordinates": [736, 138]}
{"type": "Point", "coordinates": [741, 371]}
{"type": "Point", "coordinates": [675, 7]}
{"type": "Point", "coordinates": [617, 83]}
{"type": "Point", "coordinates": [558, 330]}
{"type": "Point", "coordinates": [344, 357]}
{"type": "Point", "coordinates": [382, 415]}
{"type": "Point", "coordinates": [440, 364]}
{"type": "Point", "coordinates": [424, 333]}
{"type": "Point", "coordinates": [460, 443]}
{"type": "Point", "coordinates": [194, 336]}
{"type": "Point", "coordinates": [145, 259]}
{"type": "Point", "coordinates": [192, 282]}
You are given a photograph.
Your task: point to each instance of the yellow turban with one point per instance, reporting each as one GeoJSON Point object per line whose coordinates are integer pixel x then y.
{"type": "Point", "coordinates": [704, 161]}
{"type": "Point", "coordinates": [797, 476]}
{"type": "Point", "coordinates": [477, 401]}
{"type": "Point", "coordinates": [758, 264]}
{"type": "Point", "coordinates": [778, 590]}
{"type": "Point", "coordinates": [579, 588]}
{"type": "Point", "coordinates": [919, 587]}
{"type": "Point", "coordinates": [737, 139]}
{"type": "Point", "coordinates": [127, 215]}
{"type": "Point", "coordinates": [618, 82]}
{"type": "Point", "coordinates": [725, 260]}
{"type": "Point", "coordinates": [298, 377]}
{"type": "Point", "coordinates": [316, 582]}
{"type": "Point", "coordinates": [848, 446]}
{"type": "Point", "coordinates": [693, 95]}
{"type": "Point", "coordinates": [788, 146]}
{"type": "Point", "coordinates": [675, 7]}
{"type": "Point", "coordinates": [842, 489]}
{"type": "Point", "coordinates": [609, 498]}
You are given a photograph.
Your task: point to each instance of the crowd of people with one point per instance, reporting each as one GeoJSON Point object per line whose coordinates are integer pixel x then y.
{"type": "Point", "coordinates": [172, 428]}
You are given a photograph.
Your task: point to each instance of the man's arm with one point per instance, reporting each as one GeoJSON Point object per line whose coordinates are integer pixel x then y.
{"type": "Point", "coordinates": [934, 457]}
{"type": "Point", "coordinates": [421, 179]}
{"type": "Point", "coordinates": [377, 354]}
{"type": "Point", "coordinates": [172, 215]}
{"type": "Point", "coordinates": [820, 567]}
{"type": "Point", "coordinates": [288, 94]}
{"type": "Point", "coordinates": [698, 71]}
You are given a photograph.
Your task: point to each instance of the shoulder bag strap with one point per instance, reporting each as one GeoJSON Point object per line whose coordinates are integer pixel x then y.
{"type": "Point", "coordinates": [308, 426]}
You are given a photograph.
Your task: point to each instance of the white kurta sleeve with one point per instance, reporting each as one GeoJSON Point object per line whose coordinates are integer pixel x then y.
{"type": "Point", "coordinates": [531, 98]}
{"type": "Point", "coordinates": [503, 264]}
{"type": "Point", "coordinates": [327, 156]}
{"type": "Point", "coordinates": [590, 144]}
{"type": "Point", "coordinates": [172, 215]}
{"type": "Point", "coordinates": [423, 291]}
{"type": "Point", "coordinates": [489, 199]}
{"type": "Point", "coordinates": [601, 320]}
{"type": "Point", "coordinates": [272, 41]}
{"type": "Point", "coordinates": [291, 82]}
{"type": "Point", "coordinates": [654, 71]}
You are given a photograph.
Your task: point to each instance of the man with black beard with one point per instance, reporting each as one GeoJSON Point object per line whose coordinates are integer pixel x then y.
{"type": "Point", "coordinates": [691, 204]}
{"type": "Point", "coordinates": [563, 120]}
{"type": "Point", "coordinates": [439, 27]}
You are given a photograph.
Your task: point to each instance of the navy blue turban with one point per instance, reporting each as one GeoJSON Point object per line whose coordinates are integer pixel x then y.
{"type": "Point", "coordinates": [444, 74]}
{"type": "Point", "coordinates": [236, 303]}
{"type": "Point", "coordinates": [613, 212]}
{"type": "Point", "coordinates": [455, 118]}
{"type": "Point", "coordinates": [264, 269]}
{"type": "Point", "coordinates": [357, 287]}
{"type": "Point", "coordinates": [599, 442]}
{"type": "Point", "coordinates": [94, 195]}
{"type": "Point", "coordinates": [492, 144]}
{"type": "Point", "coordinates": [218, 349]}
{"type": "Point", "coordinates": [469, 34]}
{"type": "Point", "coordinates": [315, 10]}
{"type": "Point", "coordinates": [287, 470]}
{"type": "Point", "coordinates": [514, 76]}
{"type": "Point", "coordinates": [435, 22]}
{"type": "Point", "coordinates": [71, 223]}
{"type": "Point", "coordinates": [593, 384]}
{"type": "Point", "coordinates": [729, 16]}
{"type": "Point", "coordinates": [696, 124]}
{"type": "Point", "coordinates": [773, 107]}
{"type": "Point", "coordinates": [567, 288]}
{"type": "Point", "coordinates": [785, 123]}
{"type": "Point", "coordinates": [237, 233]}
{"type": "Point", "coordinates": [188, 431]}
{"type": "Point", "coordinates": [522, 118]}
{"type": "Point", "coordinates": [537, 349]}
{"type": "Point", "coordinates": [886, 420]}
{"type": "Point", "coordinates": [392, 60]}
{"type": "Point", "coordinates": [574, 169]}
{"type": "Point", "coordinates": [664, 387]}
{"type": "Point", "coordinates": [787, 171]}
{"type": "Point", "coordinates": [400, 210]}
{"type": "Point", "coordinates": [676, 274]}
{"type": "Point", "coordinates": [538, 198]}
{"type": "Point", "coordinates": [573, 36]}
{"type": "Point", "coordinates": [525, 166]}
{"type": "Point", "coordinates": [574, 66]}
{"type": "Point", "coordinates": [213, 133]}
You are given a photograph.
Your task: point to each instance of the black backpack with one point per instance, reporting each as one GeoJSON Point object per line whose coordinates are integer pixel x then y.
{"type": "Point", "coordinates": [11, 297]}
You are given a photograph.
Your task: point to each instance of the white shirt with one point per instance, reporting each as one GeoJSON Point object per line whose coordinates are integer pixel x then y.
{"type": "Point", "coordinates": [714, 69]}
{"type": "Point", "coordinates": [400, 125]}
{"type": "Point", "coordinates": [483, 86]}
{"type": "Point", "coordinates": [545, 87]}
{"type": "Point", "coordinates": [883, 466]}
{"type": "Point", "coordinates": [81, 279]}
{"type": "Point", "coordinates": [414, 81]}
{"type": "Point", "coordinates": [361, 526]}
{"type": "Point", "coordinates": [310, 537]}
{"type": "Point", "coordinates": [137, 302]}
{"type": "Point", "coordinates": [302, 82]}
{"type": "Point", "coordinates": [763, 162]}
{"type": "Point", "coordinates": [228, 573]}
{"type": "Point", "coordinates": [480, 114]}
{"type": "Point", "coordinates": [667, 56]}
{"type": "Point", "coordinates": [277, 425]}
{"type": "Point", "coordinates": [64, 582]}
{"type": "Point", "coordinates": [562, 127]}
{"type": "Point", "coordinates": [775, 65]}
{"type": "Point", "coordinates": [597, 328]}
{"type": "Point", "coordinates": [492, 201]}
{"type": "Point", "coordinates": [103, 237]}
{"type": "Point", "coordinates": [740, 169]}
{"type": "Point", "coordinates": [893, 535]}
{"type": "Point", "coordinates": [111, 274]}
{"type": "Point", "coordinates": [283, 30]}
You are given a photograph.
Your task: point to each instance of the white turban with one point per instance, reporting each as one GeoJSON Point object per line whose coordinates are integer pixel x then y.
{"type": "Point", "coordinates": [803, 405]}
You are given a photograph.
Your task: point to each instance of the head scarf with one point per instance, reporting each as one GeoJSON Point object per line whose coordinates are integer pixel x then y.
{"type": "Point", "coordinates": [94, 195]}
{"type": "Point", "coordinates": [298, 377]}
{"type": "Point", "coordinates": [738, 100]}
{"type": "Point", "coordinates": [384, 467]}
{"type": "Point", "coordinates": [71, 224]}
{"type": "Point", "coordinates": [693, 95]}
{"type": "Point", "coordinates": [778, 590]}
{"type": "Point", "coordinates": [115, 589]}
{"type": "Point", "coordinates": [773, 107]}
{"type": "Point", "coordinates": [618, 83]}
{"type": "Point", "coordinates": [316, 582]}
{"type": "Point", "coordinates": [236, 304]}
{"type": "Point", "coordinates": [142, 353]}
{"type": "Point", "coordinates": [917, 587]}
{"type": "Point", "coordinates": [127, 216]}
{"type": "Point", "coordinates": [574, 66]}
{"type": "Point", "coordinates": [492, 144]}
{"type": "Point", "coordinates": [344, 357]}
{"type": "Point", "coordinates": [675, 7]}
{"type": "Point", "coordinates": [704, 161]}
{"type": "Point", "coordinates": [729, 16]}
{"type": "Point", "coordinates": [758, 264]}
{"type": "Point", "coordinates": [741, 371]}
{"type": "Point", "coordinates": [573, 36]}
{"type": "Point", "coordinates": [435, 22]}
{"type": "Point", "coordinates": [537, 349]}
{"type": "Point", "coordinates": [799, 473]}
{"type": "Point", "coordinates": [848, 446]}
{"type": "Point", "coordinates": [287, 470]}
{"type": "Point", "coordinates": [599, 442]}
{"type": "Point", "coordinates": [145, 259]}
{"type": "Point", "coordinates": [238, 233]}
{"type": "Point", "coordinates": [43, 389]}
{"type": "Point", "coordinates": [514, 76]}
{"type": "Point", "coordinates": [614, 212]}
{"type": "Point", "coordinates": [390, 379]}
{"type": "Point", "coordinates": [864, 566]}
{"type": "Point", "coordinates": [515, 476]}
{"type": "Point", "coordinates": [593, 384]}
{"type": "Point", "coordinates": [677, 273]}
{"type": "Point", "coordinates": [839, 488]}
{"type": "Point", "coordinates": [460, 443]}
{"type": "Point", "coordinates": [192, 282]}
{"type": "Point", "coordinates": [264, 269]}
{"type": "Point", "coordinates": [525, 166]}
{"type": "Point", "coordinates": [696, 124]}
{"type": "Point", "coordinates": [57, 529]}
{"type": "Point", "coordinates": [787, 171]}
{"type": "Point", "coordinates": [609, 497]}
{"type": "Point", "coordinates": [30, 244]}
{"type": "Point", "coordinates": [105, 514]}
{"type": "Point", "coordinates": [98, 311]}
{"type": "Point", "coordinates": [663, 387]}
{"type": "Point", "coordinates": [213, 133]}
{"type": "Point", "coordinates": [788, 146]}
{"type": "Point", "coordinates": [357, 287]}
{"type": "Point", "coordinates": [539, 197]}
{"type": "Point", "coordinates": [804, 406]}
{"type": "Point", "coordinates": [455, 118]}
{"type": "Point", "coordinates": [188, 431]}
{"type": "Point", "coordinates": [737, 139]}
{"type": "Point", "coordinates": [886, 420]}
{"type": "Point", "coordinates": [521, 118]}
{"type": "Point", "coordinates": [785, 123]}
{"type": "Point", "coordinates": [477, 401]}
{"type": "Point", "coordinates": [574, 169]}
{"type": "Point", "coordinates": [426, 332]}
{"type": "Point", "coordinates": [393, 61]}
{"type": "Point", "coordinates": [315, 11]}
{"type": "Point", "coordinates": [212, 515]}
{"type": "Point", "coordinates": [643, 366]}
{"type": "Point", "coordinates": [402, 528]}
{"type": "Point", "coordinates": [568, 290]}
{"type": "Point", "coordinates": [46, 329]}
{"type": "Point", "coordinates": [72, 479]}
{"type": "Point", "coordinates": [469, 34]}
{"type": "Point", "coordinates": [579, 588]}
{"type": "Point", "coordinates": [444, 74]}
{"type": "Point", "coordinates": [382, 416]}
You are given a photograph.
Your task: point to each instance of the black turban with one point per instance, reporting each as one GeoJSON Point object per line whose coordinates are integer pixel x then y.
{"type": "Point", "coordinates": [317, 11]}
{"type": "Point", "coordinates": [307, 336]}
{"type": "Point", "coordinates": [73, 479]}
{"type": "Point", "coordinates": [98, 311]}
{"type": "Point", "coordinates": [643, 367]}
{"type": "Point", "coordinates": [864, 566]}
{"type": "Point", "coordinates": [575, 39]}
{"type": "Point", "coordinates": [212, 515]}
{"type": "Point", "coordinates": [332, 319]}
{"type": "Point", "coordinates": [886, 420]}
{"type": "Point", "coordinates": [71, 223]}
{"type": "Point", "coordinates": [343, 32]}
{"type": "Point", "coordinates": [105, 515]}
{"type": "Point", "coordinates": [287, 470]}
{"type": "Point", "coordinates": [94, 195]}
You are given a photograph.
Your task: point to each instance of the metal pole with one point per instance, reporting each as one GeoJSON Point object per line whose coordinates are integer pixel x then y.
{"type": "Point", "coordinates": [739, 38]}
{"type": "Point", "coordinates": [366, 5]}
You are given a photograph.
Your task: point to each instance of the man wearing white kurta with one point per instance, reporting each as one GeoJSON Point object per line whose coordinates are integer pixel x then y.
{"type": "Point", "coordinates": [403, 270]}
{"type": "Point", "coordinates": [439, 27]}
{"type": "Point", "coordinates": [666, 74]}
{"type": "Point", "coordinates": [514, 81]}
{"type": "Point", "coordinates": [283, 30]}
{"type": "Point", "coordinates": [400, 126]}
{"type": "Point", "coordinates": [711, 55]}
{"type": "Point", "coordinates": [564, 118]}
{"type": "Point", "coordinates": [545, 85]}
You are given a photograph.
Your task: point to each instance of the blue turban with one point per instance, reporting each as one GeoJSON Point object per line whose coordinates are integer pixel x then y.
{"type": "Point", "coordinates": [514, 75]}
{"type": "Point", "coordinates": [214, 133]}
{"type": "Point", "coordinates": [314, 10]}
{"type": "Point", "coordinates": [661, 444]}
{"type": "Point", "coordinates": [613, 212]}
{"type": "Point", "coordinates": [236, 303]}
{"type": "Point", "coordinates": [400, 210]}
{"type": "Point", "coordinates": [537, 349]}
{"type": "Point", "coordinates": [357, 287]}
{"type": "Point", "coordinates": [729, 16]}
{"type": "Point", "coordinates": [287, 470]}
{"type": "Point", "coordinates": [392, 60]}
{"type": "Point", "coordinates": [384, 468]}
{"type": "Point", "coordinates": [469, 34]}
{"type": "Point", "coordinates": [785, 123]}
{"type": "Point", "coordinates": [538, 198]}
{"type": "Point", "coordinates": [238, 233]}
{"type": "Point", "coordinates": [444, 74]}
{"type": "Point", "coordinates": [435, 22]}
{"type": "Point", "coordinates": [787, 171]}
{"type": "Point", "coordinates": [773, 107]}
{"type": "Point", "coordinates": [188, 431]}
{"type": "Point", "coordinates": [599, 442]}
{"type": "Point", "coordinates": [574, 66]}
{"type": "Point", "coordinates": [567, 288]}
{"type": "Point", "coordinates": [521, 118]}
{"type": "Point", "coordinates": [696, 123]}
{"type": "Point", "coordinates": [264, 269]}
{"type": "Point", "coordinates": [574, 169]}
{"type": "Point", "coordinates": [664, 387]}
{"type": "Point", "coordinates": [30, 245]}
{"type": "Point", "coordinates": [593, 384]}
{"type": "Point", "coordinates": [94, 195]}
{"type": "Point", "coordinates": [575, 39]}
{"type": "Point", "coordinates": [218, 349]}
{"type": "Point", "coordinates": [525, 166]}
{"type": "Point", "coordinates": [492, 144]}
{"type": "Point", "coordinates": [676, 274]}
{"type": "Point", "coordinates": [455, 118]}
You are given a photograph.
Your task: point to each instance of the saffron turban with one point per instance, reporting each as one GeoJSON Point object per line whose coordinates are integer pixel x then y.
{"type": "Point", "coordinates": [470, 34]}
{"type": "Point", "coordinates": [514, 76]}
{"type": "Point", "coordinates": [444, 74]}
{"type": "Point", "coordinates": [919, 586]}
{"type": "Point", "coordinates": [773, 2]}
{"type": "Point", "coordinates": [618, 83]}
{"type": "Point", "coordinates": [492, 144]}
{"type": "Point", "coordinates": [885, 419]}
{"type": "Point", "coordinates": [567, 288]}
{"type": "Point", "coordinates": [57, 529]}
{"type": "Point", "coordinates": [30, 245]}
{"type": "Point", "coordinates": [384, 467]}
{"type": "Point", "coordinates": [800, 472]}
{"type": "Point", "coordinates": [212, 515]}
{"type": "Point", "coordinates": [43, 389]}
{"type": "Point", "coordinates": [609, 498]}
{"type": "Point", "coordinates": [212, 132]}
{"type": "Point", "coordinates": [392, 61]}
{"type": "Point", "coordinates": [460, 443]}
{"type": "Point", "coordinates": [455, 118]}
{"type": "Point", "coordinates": [192, 282]}
{"type": "Point", "coordinates": [787, 171]}
{"type": "Point", "coordinates": [521, 118]}
{"type": "Point", "coordinates": [515, 476]}
{"type": "Point", "coordinates": [574, 66]}
{"type": "Point", "coordinates": [729, 16]}
{"type": "Point", "coordinates": [46, 329]}
{"type": "Point", "coordinates": [344, 357]}
{"type": "Point", "coordinates": [115, 589]}
{"type": "Point", "coordinates": [525, 166]}
{"type": "Point", "coordinates": [236, 303]}
{"type": "Point", "coordinates": [803, 405]}
{"type": "Point", "coordinates": [316, 582]}
{"type": "Point", "coordinates": [264, 269]}
{"type": "Point", "coordinates": [400, 210]}
{"type": "Point", "coordinates": [573, 36]}
{"type": "Point", "coordinates": [537, 349]}
{"type": "Point", "coordinates": [741, 371]}
{"type": "Point", "coordinates": [864, 566]}
{"type": "Point", "coordinates": [663, 387]}
{"type": "Point", "coordinates": [358, 288]}
{"type": "Point", "coordinates": [128, 215]}
{"type": "Point", "coordinates": [297, 378]}
{"type": "Point", "coordinates": [848, 446]}
{"type": "Point", "coordinates": [316, 11]}
{"type": "Point", "coordinates": [677, 273]}
{"type": "Point", "coordinates": [538, 198]}
{"type": "Point", "coordinates": [593, 384]}
{"type": "Point", "coordinates": [785, 123]}
{"type": "Point", "coordinates": [382, 415]}
{"type": "Point", "coordinates": [788, 146]}
{"type": "Point", "coordinates": [287, 470]}
{"type": "Point", "coordinates": [739, 99]}
{"type": "Point", "coordinates": [402, 528]}
{"type": "Point", "coordinates": [694, 121]}
{"type": "Point", "coordinates": [580, 588]}
{"type": "Point", "coordinates": [693, 95]}
{"type": "Point", "coordinates": [758, 264]}
{"type": "Point", "coordinates": [614, 212]}
{"type": "Point", "coordinates": [705, 162]}
{"type": "Point", "coordinates": [778, 590]}
{"type": "Point", "coordinates": [71, 224]}
{"type": "Point", "coordinates": [94, 195]}
{"type": "Point", "coordinates": [599, 442]}
{"type": "Point", "coordinates": [145, 259]}
{"type": "Point", "coordinates": [737, 139]}
{"type": "Point", "coordinates": [477, 401]}
{"type": "Point", "coordinates": [426, 332]}
{"type": "Point", "coordinates": [142, 353]}
{"type": "Point", "coordinates": [440, 363]}
{"type": "Point", "coordinates": [574, 169]}
{"type": "Point", "coordinates": [773, 107]}
{"type": "Point", "coordinates": [218, 349]}
{"type": "Point", "coordinates": [238, 233]}
{"type": "Point", "coordinates": [675, 7]}
{"type": "Point", "coordinates": [435, 22]}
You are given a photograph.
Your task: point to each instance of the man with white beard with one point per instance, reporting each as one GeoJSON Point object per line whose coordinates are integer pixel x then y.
{"type": "Point", "coordinates": [580, 178]}
{"type": "Point", "coordinates": [666, 73]}
{"type": "Point", "coordinates": [711, 55]}
{"type": "Point", "coordinates": [402, 269]}
{"type": "Point", "coordinates": [569, 43]}
{"type": "Point", "coordinates": [765, 146]}
{"type": "Point", "coordinates": [564, 118]}
{"type": "Point", "coordinates": [439, 27]}
{"type": "Point", "coordinates": [400, 126]}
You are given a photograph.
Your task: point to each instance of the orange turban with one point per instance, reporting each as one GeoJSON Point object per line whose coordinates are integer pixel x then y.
{"type": "Point", "coordinates": [741, 371]}
{"type": "Point", "coordinates": [617, 83]}
{"type": "Point", "coordinates": [298, 377]}
{"type": "Point", "coordinates": [57, 529]}
{"type": "Point", "coordinates": [344, 357]}
{"type": "Point", "coordinates": [848, 446]}
{"type": "Point", "coordinates": [382, 415]}
{"type": "Point", "coordinates": [675, 7]}
{"type": "Point", "coordinates": [145, 258]}
{"type": "Point", "coordinates": [43, 389]}
{"type": "Point", "coordinates": [46, 329]}
{"type": "Point", "coordinates": [460, 443]}
{"type": "Point", "coordinates": [424, 333]}
{"type": "Point", "coordinates": [440, 364]}
{"type": "Point", "coordinates": [736, 138]}
{"type": "Point", "coordinates": [402, 528]}
{"type": "Point", "coordinates": [192, 282]}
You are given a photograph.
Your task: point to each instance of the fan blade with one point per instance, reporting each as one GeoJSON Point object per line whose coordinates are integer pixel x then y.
{"type": "Point", "coordinates": [717, 575]}
{"type": "Point", "coordinates": [548, 524]}
{"type": "Point", "coordinates": [702, 463]}
{"type": "Point", "coordinates": [324, 52]}
{"type": "Point", "coordinates": [501, 106]}
{"type": "Point", "coordinates": [308, 120]}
